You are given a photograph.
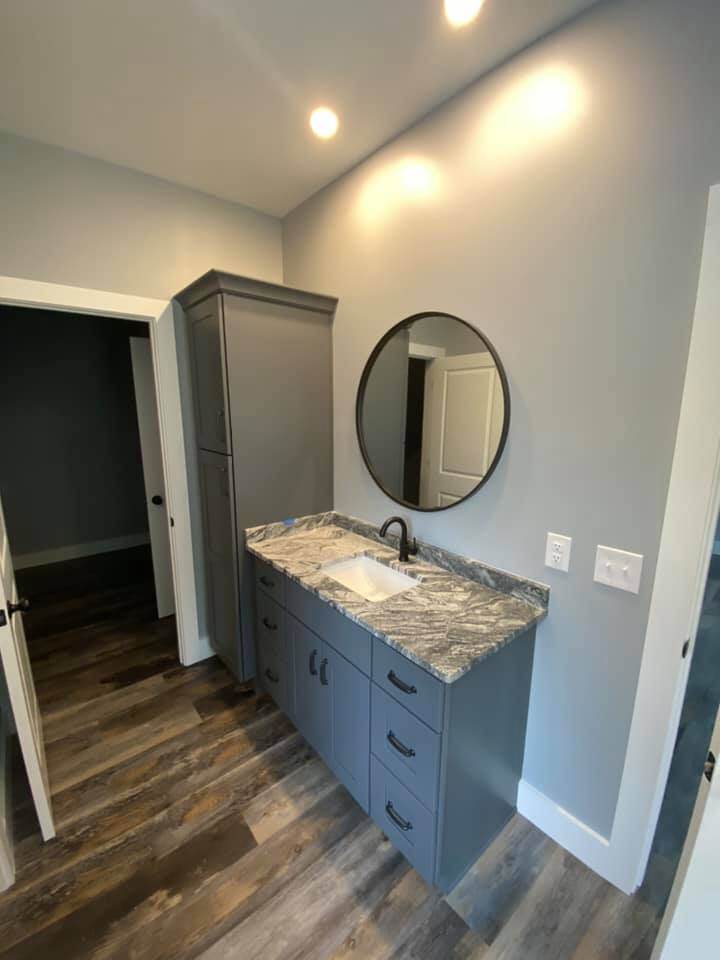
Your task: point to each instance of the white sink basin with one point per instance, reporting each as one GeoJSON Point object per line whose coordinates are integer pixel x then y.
{"type": "Point", "coordinates": [372, 580]}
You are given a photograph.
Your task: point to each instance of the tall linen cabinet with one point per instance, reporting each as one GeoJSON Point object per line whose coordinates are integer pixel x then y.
{"type": "Point", "coordinates": [261, 372]}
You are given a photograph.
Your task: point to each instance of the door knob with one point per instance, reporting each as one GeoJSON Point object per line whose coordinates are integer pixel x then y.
{"type": "Point", "coordinates": [157, 500]}
{"type": "Point", "coordinates": [22, 606]}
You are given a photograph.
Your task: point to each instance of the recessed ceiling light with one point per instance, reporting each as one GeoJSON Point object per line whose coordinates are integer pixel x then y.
{"type": "Point", "coordinates": [324, 122]}
{"type": "Point", "coordinates": [461, 12]}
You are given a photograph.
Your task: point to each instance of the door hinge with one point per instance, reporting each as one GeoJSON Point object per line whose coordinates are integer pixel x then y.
{"type": "Point", "coordinates": [3, 619]}
{"type": "Point", "coordinates": [685, 648]}
{"type": "Point", "coordinates": [172, 521]}
{"type": "Point", "coordinates": [709, 769]}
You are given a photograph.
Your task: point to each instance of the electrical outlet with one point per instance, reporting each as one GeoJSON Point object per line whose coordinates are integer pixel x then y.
{"type": "Point", "coordinates": [557, 551]}
{"type": "Point", "coordinates": [618, 568]}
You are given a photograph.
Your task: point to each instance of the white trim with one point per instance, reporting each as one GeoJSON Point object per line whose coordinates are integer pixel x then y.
{"type": "Point", "coordinates": [559, 824]}
{"type": "Point", "coordinates": [424, 351]}
{"type": "Point", "coordinates": [7, 853]}
{"type": "Point", "coordinates": [159, 315]}
{"type": "Point", "coordinates": [21, 561]}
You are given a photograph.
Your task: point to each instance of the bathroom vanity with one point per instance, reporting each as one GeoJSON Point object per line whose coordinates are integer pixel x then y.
{"type": "Point", "coordinates": [411, 680]}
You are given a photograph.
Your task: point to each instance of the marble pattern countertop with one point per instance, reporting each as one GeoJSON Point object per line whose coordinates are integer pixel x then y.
{"type": "Point", "coordinates": [461, 612]}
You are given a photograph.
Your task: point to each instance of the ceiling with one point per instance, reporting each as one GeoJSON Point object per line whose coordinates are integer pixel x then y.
{"type": "Point", "coordinates": [215, 94]}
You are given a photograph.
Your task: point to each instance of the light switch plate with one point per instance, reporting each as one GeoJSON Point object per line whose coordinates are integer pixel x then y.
{"type": "Point", "coordinates": [557, 551]}
{"type": "Point", "coordinates": [618, 568]}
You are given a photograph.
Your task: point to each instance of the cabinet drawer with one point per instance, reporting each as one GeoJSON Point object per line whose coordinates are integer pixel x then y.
{"type": "Point", "coordinates": [275, 671]}
{"type": "Point", "coordinates": [270, 622]}
{"type": "Point", "coordinates": [409, 684]}
{"type": "Point", "coordinates": [270, 581]}
{"type": "Point", "coordinates": [401, 816]}
{"type": "Point", "coordinates": [354, 643]}
{"type": "Point", "coordinates": [406, 746]}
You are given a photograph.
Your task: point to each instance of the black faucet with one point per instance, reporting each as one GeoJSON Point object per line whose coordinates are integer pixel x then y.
{"type": "Point", "coordinates": [406, 548]}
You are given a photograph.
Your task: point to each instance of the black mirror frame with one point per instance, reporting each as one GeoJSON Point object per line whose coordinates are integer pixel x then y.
{"type": "Point", "coordinates": [361, 395]}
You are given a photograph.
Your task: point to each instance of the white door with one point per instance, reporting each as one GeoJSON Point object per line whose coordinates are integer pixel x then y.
{"type": "Point", "coordinates": [462, 423]}
{"type": "Point", "coordinates": [155, 496]}
{"type": "Point", "coordinates": [21, 689]}
{"type": "Point", "coordinates": [688, 928]}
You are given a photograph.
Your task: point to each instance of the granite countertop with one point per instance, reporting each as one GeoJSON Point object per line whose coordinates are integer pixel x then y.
{"type": "Point", "coordinates": [461, 612]}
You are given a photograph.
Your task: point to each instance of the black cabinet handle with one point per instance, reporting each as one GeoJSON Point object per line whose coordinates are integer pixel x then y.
{"type": "Point", "coordinates": [268, 626]}
{"type": "Point", "coordinates": [273, 677]}
{"type": "Point", "coordinates": [400, 684]}
{"type": "Point", "coordinates": [22, 606]}
{"type": "Point", "coordinates": [157, 500]}
{"type": "Point", "coordinates": [323, 672]}
{"type": "Point", "coordinates": [311, 664]}
{"type": "Point", "coordinates": [267, 583]}
{"type": "Point", "coordinates": [396, 818]}
{"type": "Point", "coordinates": [399, 745]}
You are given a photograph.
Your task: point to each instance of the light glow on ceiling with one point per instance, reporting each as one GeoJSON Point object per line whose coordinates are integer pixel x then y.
{"type": "Point", "coordinates": [460, 13]}
{"type": "Point", "coordinates": [324, 122]}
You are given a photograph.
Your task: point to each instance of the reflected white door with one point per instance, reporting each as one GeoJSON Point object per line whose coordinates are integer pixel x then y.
{"type": "Point", "coordinates": [688, 928]}
{"type": "Point", "coordinates": [155, 496]}
{"type": "Point", "coordinates": [461, 425]}
{"type": "Point", "coordinates": [21, 689]}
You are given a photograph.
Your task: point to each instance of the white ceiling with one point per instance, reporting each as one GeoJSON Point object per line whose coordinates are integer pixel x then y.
{"type": "Point", "coordinates": [215, 94]}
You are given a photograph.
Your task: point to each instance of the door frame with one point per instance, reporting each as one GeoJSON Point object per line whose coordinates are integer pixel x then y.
{"type": "Point", "coordinates": [691, 513]}
{"type": "Point", "coordinates": [160, 316]}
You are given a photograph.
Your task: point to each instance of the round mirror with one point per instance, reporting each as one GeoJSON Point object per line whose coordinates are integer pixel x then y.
{"type": "Point", "coordinates": [433, 409]}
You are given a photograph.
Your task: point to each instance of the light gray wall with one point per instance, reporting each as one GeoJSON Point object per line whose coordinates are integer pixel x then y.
{"type": "Point", "coordinates": [71, 467]}
{"type": "Point", "coordinates": [70, 219]}
{"type": "Point", "coordinates": [576, 249]}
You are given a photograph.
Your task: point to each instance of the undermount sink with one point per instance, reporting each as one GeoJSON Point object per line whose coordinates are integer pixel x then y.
{"type": "Point", "coordinates": [372, 580]}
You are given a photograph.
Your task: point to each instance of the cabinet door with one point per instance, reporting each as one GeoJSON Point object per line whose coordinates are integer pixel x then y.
{"type": "Point", "coordinates": [220, 557]}
{"type": "Point", "coordinates": [348, 693]}
{"type": "Point", "coordinates": [311, 705]}
{"type": "Point", "coordinates": [207, 358]}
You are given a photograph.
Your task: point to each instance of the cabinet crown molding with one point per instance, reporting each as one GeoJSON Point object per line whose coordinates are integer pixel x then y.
{"type": "Point", "coordinates": [216, 281]}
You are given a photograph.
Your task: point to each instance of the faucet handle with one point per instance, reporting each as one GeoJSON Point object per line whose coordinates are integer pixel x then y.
{"type": "Point", "coordinates": [413, 547]}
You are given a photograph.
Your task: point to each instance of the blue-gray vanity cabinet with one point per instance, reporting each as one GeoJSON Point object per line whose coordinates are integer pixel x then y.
{"type": "Point", "coordinates": [405, 821]}
{"type": "Point", "coordinates": [406, 746]}
{"type": "Point", "coordinates": [409, 684]}
{"type": "Point", "coordinates": [349, 639]}
{"type": "Point", "coordinates": [348, 691]}
{"type": "Point", "coordinates": [312, 708]}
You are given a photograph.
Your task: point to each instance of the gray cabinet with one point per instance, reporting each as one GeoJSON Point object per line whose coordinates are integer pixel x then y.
{"type": "Point", "coordinates": [312, 714]}
{"type": "Point", "coordinates": [218, 506]}
{"type": "Point", "coordinates": [207, 356]}
{"type": "Point", "coordinates": [261, 366]}
{"type": "Point", "coordinates": [436, 765]}
{"type": "Point", "coordinates": [348, 692]}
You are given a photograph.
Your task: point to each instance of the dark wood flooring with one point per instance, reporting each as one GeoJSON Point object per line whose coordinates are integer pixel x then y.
{"type": "Point", "coordinates": [193, 821]}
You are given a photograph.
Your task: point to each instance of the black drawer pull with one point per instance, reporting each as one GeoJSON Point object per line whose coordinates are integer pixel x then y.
{"type": "Point", "coordinates": [268, 626]}
{"type": "Point", "coordinates": [273, 677]}
{"type": "Point", "coordinates": [266, 582]}
{"type": "Point", "coordinates": [399, 745]}
{"type": "Point", "coordinates": [400, 684]}
{"type": "Point", "coordinates": [323, 672]}
{"type": "Point", "coordinates": [311, 664]}
{"type": "Point", "coordinates": [396, 818]}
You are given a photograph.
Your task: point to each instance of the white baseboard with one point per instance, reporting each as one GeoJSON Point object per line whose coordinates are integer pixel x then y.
{"type": "Point", "coordinates": [75, 550]}
{"type": "Point", "coordinates": [589, 846]}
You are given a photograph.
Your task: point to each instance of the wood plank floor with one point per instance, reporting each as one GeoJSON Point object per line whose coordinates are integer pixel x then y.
{"type": "Point", "coordinates": [193, 821]}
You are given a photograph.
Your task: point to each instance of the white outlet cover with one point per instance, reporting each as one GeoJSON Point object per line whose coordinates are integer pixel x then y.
{"type": "Point", "coordinates": [557, 551]}
{"type": "Point", "coordinates": [618, 568]}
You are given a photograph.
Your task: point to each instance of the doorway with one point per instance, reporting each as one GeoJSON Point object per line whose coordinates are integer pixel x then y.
{"type": "Point", "coordinates": [697, 719]}
{"type": "Point", "coordinates": [78, 412]}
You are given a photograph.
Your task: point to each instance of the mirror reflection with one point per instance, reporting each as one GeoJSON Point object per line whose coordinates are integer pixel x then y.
{"type": "Point", "coordinates": [432, 411]}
